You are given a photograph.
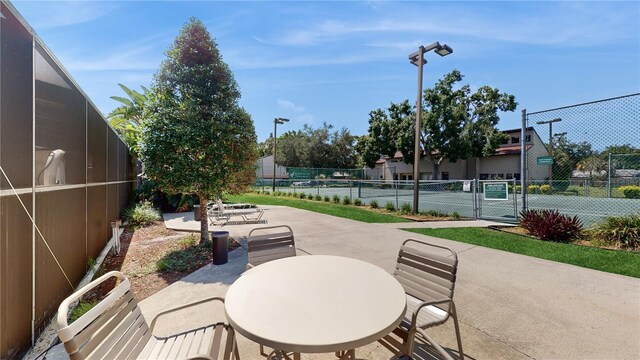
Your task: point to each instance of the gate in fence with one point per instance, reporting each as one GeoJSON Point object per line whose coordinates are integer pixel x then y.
{"type": "Point", "coordinates": [497, 200]}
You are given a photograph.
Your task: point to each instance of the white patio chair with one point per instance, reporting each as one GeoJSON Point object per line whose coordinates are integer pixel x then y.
{"type": "Point", "coordinates": [263, 244]}
{"type": "Point", "coordinates": [428, 280]}
{"type": "Point", "coordinates": [116, 329]}
{"type": "Point", "coordinates": [222, 213]}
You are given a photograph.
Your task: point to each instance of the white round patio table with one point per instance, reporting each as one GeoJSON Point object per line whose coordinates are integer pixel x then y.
{"type": "Point", "coordinates": [315, 304]}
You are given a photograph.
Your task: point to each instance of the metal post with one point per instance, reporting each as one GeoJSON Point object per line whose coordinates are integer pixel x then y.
{"type": "Point", "coordinates": [395, 182]}
{"type": "Point", "coordinates": [515, 200]}
{"type": "Point", "coordinates": [416, 156]}
{"type": "Point", "coordinates": [475, 199]}
{"type": "Point", "coordinates": [609, 177]}
{"type": "Point", "coordinates": [550, 154]}
{"type": "Point", "coordinates": [275, 137]}
{"type": "Point", "coordinates": [523, 160]}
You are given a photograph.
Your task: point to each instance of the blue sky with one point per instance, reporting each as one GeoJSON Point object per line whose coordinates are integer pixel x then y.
{"type": "Point", "coordinates": [334, 62]}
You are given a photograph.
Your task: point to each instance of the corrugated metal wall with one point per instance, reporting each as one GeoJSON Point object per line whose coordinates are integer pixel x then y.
{"type": "Point", "coordinates": [65, 162]}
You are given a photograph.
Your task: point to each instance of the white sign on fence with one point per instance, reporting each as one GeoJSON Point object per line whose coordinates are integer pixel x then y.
{"type": "Point", "coordinates": [466, 186]}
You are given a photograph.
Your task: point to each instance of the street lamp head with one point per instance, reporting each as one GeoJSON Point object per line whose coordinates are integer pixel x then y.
{"type": "Point", "coordinates": [549, 121]}
{"type": "Point", "coordinates": [280, 120]}
{"type": "Point", "coordinates": [444, 50]}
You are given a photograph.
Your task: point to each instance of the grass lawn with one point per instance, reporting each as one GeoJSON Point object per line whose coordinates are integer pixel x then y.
{"type": "Point", "coordinates": [343, 211]}
{"type": "Point", "coordinates": [617, 262]}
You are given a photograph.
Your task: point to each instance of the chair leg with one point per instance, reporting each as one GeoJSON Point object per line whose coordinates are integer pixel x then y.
{"type": "Point", "coordinates": [457, 327]}
{"type": "Point", "coordinates": [409, 343]}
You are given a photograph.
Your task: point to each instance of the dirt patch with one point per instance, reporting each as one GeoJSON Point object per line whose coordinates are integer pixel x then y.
{"type": "Point", "coordinates": [154, 257]}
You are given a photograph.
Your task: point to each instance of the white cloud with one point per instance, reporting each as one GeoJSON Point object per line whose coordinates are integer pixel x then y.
{"type": "Point", "coordinates": [54, 14]}
{"type": "Point", "coordinates": [295, 112]}
{"type": "Point", "coordinates": [551, 24]}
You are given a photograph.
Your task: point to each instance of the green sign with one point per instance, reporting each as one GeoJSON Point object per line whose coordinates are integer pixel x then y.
{"type": "Point", "coordinates": [299, 173]}
{"type": "Point", "coordinates": [545, 160]}
{"type": "Point", "coordinates": [495, 191]}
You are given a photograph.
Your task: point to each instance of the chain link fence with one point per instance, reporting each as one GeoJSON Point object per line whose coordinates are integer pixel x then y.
{"type": "Point", "coordinates": [584, 159]}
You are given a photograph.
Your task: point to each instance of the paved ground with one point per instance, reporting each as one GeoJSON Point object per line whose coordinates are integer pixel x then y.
{"type": "Point", "coordinates": [510, 306]}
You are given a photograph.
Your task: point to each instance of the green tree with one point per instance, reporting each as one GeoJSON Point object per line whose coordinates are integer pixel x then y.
{"type": "Point", "coordinates": [456, 124]}
{"type": "Point", "coordinates": [198, 139]}
{"type": "Point", "coordinates": [624, 156]}
{"type": "Point", "coordinates": [594, 165]}
{"type": "Point", "coordinates": [567, 155]}
{"type": "Point", "coordinates": [128, 118]}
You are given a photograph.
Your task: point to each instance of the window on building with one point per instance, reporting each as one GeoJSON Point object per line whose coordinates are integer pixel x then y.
{"type": "Point", "coordinates": [484, 176]}
{"type": "Point", "coordinates": [516, 176]}
{"type": "Point", "coordinates": [508, 176]}
{"type": "Point", "coordinates": [444, 176]}
{"type": "Point", "coordinates": [515, 140]}
{"type": "Point", "coordinates": [527, 138]}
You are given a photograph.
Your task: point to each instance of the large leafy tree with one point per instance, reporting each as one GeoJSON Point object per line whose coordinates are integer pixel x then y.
{"type": "Point", "coordinates": [314, 147]}
{"type": "Point", "coordinates": [198, 139]}
{"type": "Point", "coordinates": [128, 118]}
{"type": "Point", "coordinates": [456, 124]}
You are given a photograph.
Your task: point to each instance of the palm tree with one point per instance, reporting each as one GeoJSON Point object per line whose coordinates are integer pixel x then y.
{"type": "Point", "coordinates": [128, 118]}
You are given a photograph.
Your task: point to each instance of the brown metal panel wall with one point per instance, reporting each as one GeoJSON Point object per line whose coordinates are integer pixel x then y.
{"type": "Point", "coordinates": [60, 215]}
{"type": "Point", "coordinates": [60, 122]}
{"type": "Point", "coordinates": [112, 156]}
{"type": "Point", "coordinates": [96, 146]}
{"type": "Point", "coordinates": [16, 101]}
{"type": "Point", "coordinates": [15, 275]}
{"type": "Point", "coordinates": [97, 224]}
{"type": "Point", "coordinates": [113, 209]}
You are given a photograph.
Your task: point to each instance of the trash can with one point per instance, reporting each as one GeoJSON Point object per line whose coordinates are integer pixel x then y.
{"type": "Point", "coordinates": [220, 247]}
{"type": "Point", "coordinates": [196, 212]}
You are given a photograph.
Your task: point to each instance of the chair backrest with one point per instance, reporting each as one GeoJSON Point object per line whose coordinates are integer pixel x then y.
{"type": "Point", "coordinates": [270, 243]}
{"type": "Point", "coordinates": [220, 204]}
{"type": "Point", "coordinates": [112, 329]}
{"type": "Point", "coordinates": [425, 275]}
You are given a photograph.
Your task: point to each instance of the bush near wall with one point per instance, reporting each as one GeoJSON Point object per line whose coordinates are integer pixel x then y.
{"type": "Point", "coordinates": [631, 191]}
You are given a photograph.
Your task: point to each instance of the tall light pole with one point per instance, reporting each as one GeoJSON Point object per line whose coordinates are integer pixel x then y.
{"type": "Point", "coordinates": [550, 122]}
{"type": "Point", "coordinates": [276, 121]}
{"type": "Point", "coordinates": [417, 59]}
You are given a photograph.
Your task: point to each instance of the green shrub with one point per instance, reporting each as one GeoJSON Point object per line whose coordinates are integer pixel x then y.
{"type": "Point", "coordinates": [302, 195]}
{"type": "Point", "coordinates": [389, 206]}
{"type": "Point", "coordinates": [434, 213]}
{"type": "Point", "coordinates": [373, 204]}
{"type": "Point", "coordinates": [405, 208]}
{"type": "Point", "coordinates": [533, 189]}
{"type": "Point", "coordinates": [336, 199]}
{"type": "Point", "coordinates": [346, 200]}
{"type": "Point", "coordinates": [545, 189]}
{"type": "Point", "coordinates": [631, 191]}
{"type": "Point", "coordinates": [621, 231]}
{"type": "Point", "coordinates": [310, 196]}
{"type": "Point", "coordinates": [327, 198]}
{"type": "Point", "coordinates": [456, 215]}
{"type": "Point", "coordinates": [550, 225]}
{"type": "Point", "coordinates": [141, 214]}
{"type": "Point", "coordinates": [357, 202]}
{"type": "Point", "coordinates": [318, 197]}
{"type": "Point", "coordinates": [81, 309]}
{"type": "Point", "coordinates": [519, 189]}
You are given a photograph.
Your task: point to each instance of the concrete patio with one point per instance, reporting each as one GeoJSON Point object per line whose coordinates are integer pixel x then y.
{"type": "Point", "coordinates": [510, 306]}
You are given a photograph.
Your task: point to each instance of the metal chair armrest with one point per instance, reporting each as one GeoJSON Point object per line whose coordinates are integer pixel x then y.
{"type": "Point", "coordinates": [155, 318]}
{"type": "Point", "coordinates": [414, 316]}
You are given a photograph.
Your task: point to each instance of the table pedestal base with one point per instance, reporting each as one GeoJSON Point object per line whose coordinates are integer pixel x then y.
{"type": "Point", "coordinates": [281, 355]}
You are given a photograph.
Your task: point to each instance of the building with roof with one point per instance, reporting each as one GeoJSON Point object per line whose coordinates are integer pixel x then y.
{"type": "Point", "coordinates": [504, 164]}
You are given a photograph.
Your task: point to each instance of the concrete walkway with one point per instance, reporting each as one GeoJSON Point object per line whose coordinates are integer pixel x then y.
{"type": "Point", "coordinates": [510, 306]}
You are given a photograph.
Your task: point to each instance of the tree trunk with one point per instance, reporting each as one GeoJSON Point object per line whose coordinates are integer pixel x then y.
{"type": "Point", "coordinates": [436, 171]}
{"type": "Point", "coordinates": [204, 220]}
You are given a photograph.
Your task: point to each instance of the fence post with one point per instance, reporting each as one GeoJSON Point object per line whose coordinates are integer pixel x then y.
{"type": "Point", "coordinates": [396, 185]}
{"type": "Point", "coordinates": [523, 159]}
{"type": "Point", "coordinates": [350, 194]}
{"type": "Point", "coordinates": [515, 200]}
{"type": "Point", "coordinates": [474, 189]}
{"type": "Point", "coordinates": [609, 177]}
